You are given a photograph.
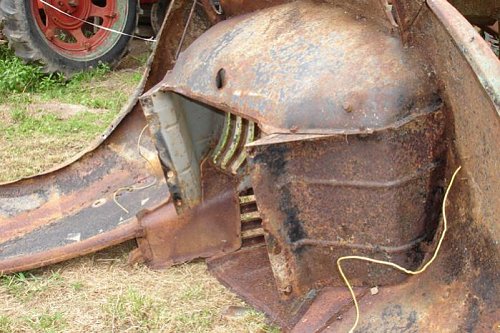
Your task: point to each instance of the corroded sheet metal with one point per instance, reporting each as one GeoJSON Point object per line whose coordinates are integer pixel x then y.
{"type": "Point", "coordinates": [457, 293]}
{"type": "Point", "coordinates": [64, 248]}
{"type": "Point", "coordinates": [473, 48]}
{"type": "Point", "coordinates": [248, 273]}
{"type": "Point", "coordinates": [341, 74]}
{"type": "Point", "coordinates": [212, 228]}
{"type": "Point", "coordinates": [374, 195]}
{"type": "Point", "coordinates": [376, 10]}
{"type": "Point", "coordinates": [240, 7]}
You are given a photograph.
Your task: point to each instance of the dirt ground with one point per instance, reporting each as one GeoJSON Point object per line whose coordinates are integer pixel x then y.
{"type": "Point", "coordinates": [100, 292]}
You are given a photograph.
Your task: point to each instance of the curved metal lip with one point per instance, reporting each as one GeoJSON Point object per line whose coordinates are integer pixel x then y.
{"type": "Point", "coordinates": [473, 47]}
{"type": "Point", "coordinates": [271, 130]}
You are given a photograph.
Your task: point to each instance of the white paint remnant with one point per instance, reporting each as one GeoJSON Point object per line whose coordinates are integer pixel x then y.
{"type": "Point", "coordinates": [74, 237]}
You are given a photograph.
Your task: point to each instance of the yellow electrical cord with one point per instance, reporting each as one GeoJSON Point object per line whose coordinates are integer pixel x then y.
{"type": "Point", "coordinates": [393, 265]}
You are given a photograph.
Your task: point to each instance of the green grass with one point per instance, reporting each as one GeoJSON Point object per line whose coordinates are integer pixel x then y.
{"type": "Point", "coordinates": [30, 121]}
{"type": "Point", "coordinates": [5, 324]}
{"type": "Point", "coordinates": [77, 286]}
{"type": "Point", "coordinates": [25, 286]}
{"type": "Point", "coordinates": [48, 124]}
{"type": "Point", "coordinates": [22, 83]}
{"type": "Point", "coordinates": [134, 309]}
{"type": "Point", "coordinates": [18, 77]}
{"type": "Point", "coordinates": [47, 322]}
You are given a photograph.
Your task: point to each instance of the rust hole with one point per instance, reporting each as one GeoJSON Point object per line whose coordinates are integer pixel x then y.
{"type": "Point", "coordinates": [220, 78]}
{"type": "Point", "coordinates": [216, 6]}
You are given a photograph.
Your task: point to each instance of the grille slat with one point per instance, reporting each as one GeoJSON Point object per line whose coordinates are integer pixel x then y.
{"type": "Point", "coordinates": [230, 153]}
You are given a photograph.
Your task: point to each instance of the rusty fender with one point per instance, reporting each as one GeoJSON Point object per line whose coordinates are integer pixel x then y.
{"type": "Point", "coordinates": [350, 118]}
{"type": "Point", "coordinates": [283, 135]}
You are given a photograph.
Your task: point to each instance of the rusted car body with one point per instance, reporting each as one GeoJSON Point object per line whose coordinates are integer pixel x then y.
{"type": "Point", "coordinates": [283, 136]}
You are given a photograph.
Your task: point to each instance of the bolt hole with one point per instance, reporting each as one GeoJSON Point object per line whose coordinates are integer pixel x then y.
{"type": "Point", "coordinates": [220, 79]}
{"type": "Point", "coordinates": [216, 6]}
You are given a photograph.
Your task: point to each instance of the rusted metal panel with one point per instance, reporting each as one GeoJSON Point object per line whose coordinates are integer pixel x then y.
{"type": "Point", "coordinates": [308, 78]}
{"type": "Point", "coordinates": [240, 7]}
{"type": "Point", "coordinates": [248, 273]}
{"type": "Point", "coordinates": [473, 48]}
{"type": "Point", "coordinates": [376, 10]}
{"type": "Point", "coordinates": [406, 14]}
{"type": "Point", "coordinates": [324, 198]}
{"type": "Point", "coordinates": [322, 81]}
{"type": "Point", "coordinates": [210, 229]}
{"type": "Point", "coordinates": [468, 74]}
{"type": "Point", "coordinates": [62, 252]}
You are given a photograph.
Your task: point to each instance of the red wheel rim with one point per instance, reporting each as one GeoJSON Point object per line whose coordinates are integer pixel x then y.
{"type": "Point", "coordinates": [72, 34]}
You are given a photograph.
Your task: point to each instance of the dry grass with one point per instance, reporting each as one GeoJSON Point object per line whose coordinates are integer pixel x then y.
{"type": "Point", "coordinates": [100, 293]}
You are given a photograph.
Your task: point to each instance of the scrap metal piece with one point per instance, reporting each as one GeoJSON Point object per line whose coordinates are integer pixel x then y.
{"type": "Point", "coordinates": [71, 212]}
{"type": "Point", "coordinates": [248, 273]}
{"type": "Point", "coordinates": [234, 142]}
{"type": "Point", "coordinates": [221, 144]}
{"type": "Point", "coordinates": [249, 138]}
{"type": "Point", "coordinates": [236, 134]}
{"type": "Point", "coordinates": [384, 96]}
{"type": "Point", "coordinates": [383, 129]}
{"type": "Point", "coordinates": [211, 228]}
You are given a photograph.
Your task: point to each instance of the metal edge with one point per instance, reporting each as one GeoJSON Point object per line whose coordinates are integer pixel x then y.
{"type": "Point", "coordinates": [473, 47]}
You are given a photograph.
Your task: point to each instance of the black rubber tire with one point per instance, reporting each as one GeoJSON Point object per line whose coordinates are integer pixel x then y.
{"type": "Point", "coordinates": [158, 12]}
{"type": "Point", "coordinates": [30, 44]}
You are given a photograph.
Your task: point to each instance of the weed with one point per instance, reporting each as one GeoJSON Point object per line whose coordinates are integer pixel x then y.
{"type": "Point", "coordinates": [193, 292]}
{"type": "Point", "coordinates": [49, 323]}
{"type": "Point", "coordinates": [134, 309]}
{"type": "Point", "coordinates": [19, 78]}
{"type": "Point", "coordinates": [77, 286]}
{"type": "Point", "coordinates": [257, 320]}
{"type": "Point", "coordinates": [18, 115]}
{"type": "Point", "coordinates": [26, 285]}
{"type": "Point", "coordinates": [16, 76]}
{"type": "Point", "coordinates": [196, 321]}
{"type": "Point", "coordinates": [5, 324]}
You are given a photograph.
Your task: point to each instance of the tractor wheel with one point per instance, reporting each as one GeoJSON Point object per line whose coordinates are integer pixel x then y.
{"type": "Point", "coordinates": [158, 12]}
{"type": "Point", "coordinates": [64, 41]}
